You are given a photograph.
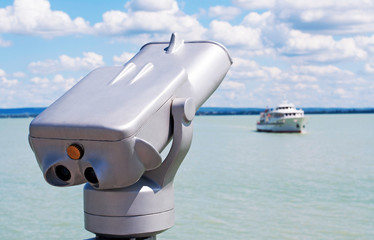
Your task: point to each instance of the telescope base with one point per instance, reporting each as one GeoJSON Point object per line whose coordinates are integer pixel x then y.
{"type": "Point", "coordinates": [127, 238]}
{"type": "Point", "coordinates": [129, 227]}
{"type": "Point", "coordinates": [103, 238]}
{"type": "Point", "coordinates": [141, 210]}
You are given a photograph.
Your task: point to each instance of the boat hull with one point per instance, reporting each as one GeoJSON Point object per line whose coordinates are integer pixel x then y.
{"type": "Point", "coordinates": [285, 125]}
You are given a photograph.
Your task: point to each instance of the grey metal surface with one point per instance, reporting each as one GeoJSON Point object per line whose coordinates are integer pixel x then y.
{"type": "Point", "coordinates": [146, 207]}
{"type": "Point", "coordinates": [142, 198]}
{"type": "Point", "coordinates": [121, 118]}
{"type": "Point", "coordinates": [139, 226]}
{"type": "Point", "coordinates": [113, 103]}
{"type": "Point", "coordinates": [116, 164]}
{"type": "Point", "coordinates": [128, 212]}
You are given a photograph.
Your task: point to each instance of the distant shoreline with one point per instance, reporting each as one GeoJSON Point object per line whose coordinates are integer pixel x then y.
{"type": "Point", "coordinates": [204, 111]}
{"type": "Point", "coordinates": [256, 111]}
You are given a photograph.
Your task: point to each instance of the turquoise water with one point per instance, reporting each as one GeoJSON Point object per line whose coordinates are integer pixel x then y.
{"type": "Point", "coordinates": [234, 184]}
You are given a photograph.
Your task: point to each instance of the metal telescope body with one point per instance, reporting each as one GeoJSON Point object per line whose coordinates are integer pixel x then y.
{"type": "Point", "coordinates": [109, 129]}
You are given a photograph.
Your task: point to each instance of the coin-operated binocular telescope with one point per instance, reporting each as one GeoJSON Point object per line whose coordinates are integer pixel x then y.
{"type": "Point", "coordinates": [108, 131]}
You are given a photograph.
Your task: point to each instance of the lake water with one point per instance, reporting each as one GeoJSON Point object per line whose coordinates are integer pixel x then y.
{"type": "Point", "coordinates": [235, 183]}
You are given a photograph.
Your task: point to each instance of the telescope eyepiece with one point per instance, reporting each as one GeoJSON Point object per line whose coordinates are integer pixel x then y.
{"type": "Point", "coordinates": [62, 173]}
{"type": "Point", "coordinates": [90, 175]}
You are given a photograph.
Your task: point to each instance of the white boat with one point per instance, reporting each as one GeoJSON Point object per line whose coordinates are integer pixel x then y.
{"type": "Point", "coordinates": [284, 118]}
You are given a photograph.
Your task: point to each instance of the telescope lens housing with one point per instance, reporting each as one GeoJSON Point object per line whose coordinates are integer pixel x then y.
{"type": "Point", "coordinates": [62, 173]}
{"type": "Point", "coordinates": [90, 175]}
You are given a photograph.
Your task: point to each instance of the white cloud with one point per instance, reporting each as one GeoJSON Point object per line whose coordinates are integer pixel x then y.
{"type": "Point", "coordinates": [113, 22]}
{"type": "Point", "coordinates": [320, 70]}
{"type": "Point", "coordinates": [4, 43]}
{"type": "Point", "coordinates": [302, 78]}
{"type": "Point", "coordinates": [35, 17]}
{"type": "Point", "coordinates": [57, 83]}
{"type": "Point", "coordinates": [39, 80]}
{"type": "Point", "coordinates": [328, 16]}
{"type": "Point", "coordinates": [38, 91]}
{"type": "Point", "coordinates": [365, 42]}
{"type": "Point", "coordinates": [238, 36]}
{"type": "Point", "coordinates": [287, 48]}
{"type": "Point", "coordinates": [4, 81]}
{"type": "Point", "coordinates": [323, 16]}
{"type": "Point", "coordinates": [273, 33]}
{"type": "Point", "coordinates": [65, 83]}
{"type": "Point", "coordinates": [369, 67]}
{"type": "Point", "coordinates": [317, 4]}
{"type": "Point", "coordinates": [149, 20]}
{"type": "Point", "coordinates": [312, 15]}
{"type": "Point", "coordinates": [305, 86]}
{"type": "Point", "coordinates": [232, 85]}
{"type": "Point", "coordinates": [320, 48]}
{"type": "Point", "coordinates": [152, 6]}
{"type": "Point", "coordinates": [231, 95]}
{"type": "Point", "coordinates": [19, 74]}
{"type": "Point", "coordinates": [42, 82]}
{"type": "Point", "coordinates": [124, 58]}
{"type": "Point", "coordinates": [89, 61]}
{"type": "Point", "coordinates": [341, 92]}
{"type": "Point", "coordinates": [279, 89]}
{"type": "Point", "coordinates": [255, 19]}
{"type": "Point", "coordinates": [273, 72]}
{"type": "Point", "coordinates": [245, 70]}
{"type": "Point", "coordinates": [8, 82]}
{"type": "Point", "coordinates": [269, 35]}
{"type": "Point", "coordinates": [254, 4]}
{"type": "Point", "coordinates": [224, 13]}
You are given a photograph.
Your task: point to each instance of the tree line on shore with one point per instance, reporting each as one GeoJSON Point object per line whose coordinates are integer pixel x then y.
{"type": "Point", "coordinates": [33, 112]}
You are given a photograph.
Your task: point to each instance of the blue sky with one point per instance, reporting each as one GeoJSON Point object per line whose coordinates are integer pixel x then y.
{"type": "Point", "coordinates": [313, 53]}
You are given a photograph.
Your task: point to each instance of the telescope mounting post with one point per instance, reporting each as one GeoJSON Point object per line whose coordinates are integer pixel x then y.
{"type": "Point", "coordinates": [146, 208]}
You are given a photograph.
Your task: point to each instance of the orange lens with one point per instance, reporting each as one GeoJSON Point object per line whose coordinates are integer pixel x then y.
{"type": "Point", "coordinates": [75, 151]}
